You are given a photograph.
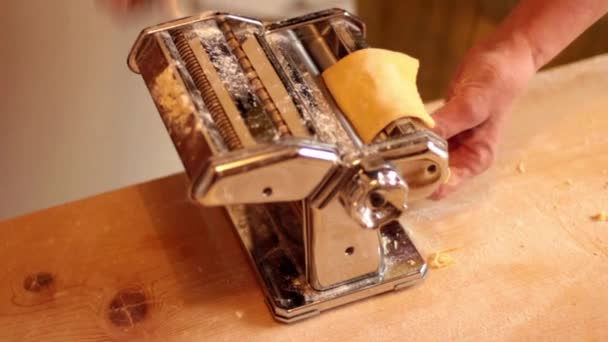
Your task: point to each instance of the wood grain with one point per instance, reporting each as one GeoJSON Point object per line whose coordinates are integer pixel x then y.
{"type": "Point", "coordinates": [143, 263]}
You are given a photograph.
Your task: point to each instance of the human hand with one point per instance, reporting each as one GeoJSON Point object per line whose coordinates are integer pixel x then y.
{"type": "Point", "coordinates": [494, 73]}
{"type": "Point", "coordinates": [488, 81]}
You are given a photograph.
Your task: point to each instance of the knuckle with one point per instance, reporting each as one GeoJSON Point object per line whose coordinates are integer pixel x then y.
{"type": "Point", "coordinates": [472, 108]}
{"type": "Point", "coordinates": [481, 156]}
{"type": "Point", "coordinates": [485, 156]}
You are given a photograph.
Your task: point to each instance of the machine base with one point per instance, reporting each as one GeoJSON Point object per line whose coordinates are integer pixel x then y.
{"type": "Point", "coordinates": [272, 236]}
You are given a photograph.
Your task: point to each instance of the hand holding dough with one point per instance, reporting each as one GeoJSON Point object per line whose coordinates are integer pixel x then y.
{"type": "Point", "coordinates": [374, 87]}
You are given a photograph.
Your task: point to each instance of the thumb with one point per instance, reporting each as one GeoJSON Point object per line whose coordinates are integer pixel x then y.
{"type": "Point", "coordinates": [457, 177]}
{"type": "Point", "coordinates": [462, 112]}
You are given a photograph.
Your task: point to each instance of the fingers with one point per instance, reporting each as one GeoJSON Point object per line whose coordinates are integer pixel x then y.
{"type": "Point", "coordinates": [456, 178]}
{"type": "Point", "coordinates": [466, 109]}
{"type": "Point", "coordinates": [486, 84]}
{"type": "Point", "coordinates": [473, 154]}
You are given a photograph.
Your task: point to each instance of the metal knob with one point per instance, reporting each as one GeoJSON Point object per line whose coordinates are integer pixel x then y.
{"type": "Point", "coordinates": [375, 195]}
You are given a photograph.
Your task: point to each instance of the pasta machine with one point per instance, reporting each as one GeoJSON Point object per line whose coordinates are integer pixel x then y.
{"type": "Point", "coordinates": [318, 211]}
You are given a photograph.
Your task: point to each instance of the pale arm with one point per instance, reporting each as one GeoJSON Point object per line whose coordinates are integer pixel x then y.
{"type": "Point", "coordinates": [496, 71]}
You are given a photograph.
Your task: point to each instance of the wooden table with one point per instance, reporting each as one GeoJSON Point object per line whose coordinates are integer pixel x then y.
{"type": "Point", "coordinates": [143, 263]}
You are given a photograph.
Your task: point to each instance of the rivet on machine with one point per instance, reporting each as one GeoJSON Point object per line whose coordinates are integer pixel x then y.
{"type": "Point", "coordinates": [317, 208]}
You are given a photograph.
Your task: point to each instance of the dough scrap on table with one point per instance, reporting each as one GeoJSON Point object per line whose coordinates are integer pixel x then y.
{"type": "Point", "coordinates": [602, 216]}
{"type": "Point", "coordinates": [440, 259]}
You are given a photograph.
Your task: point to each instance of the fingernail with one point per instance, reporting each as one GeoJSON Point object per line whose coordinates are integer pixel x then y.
{"type": "Point", "coordinates": [449, 176]}
{"type": "Point", "coordinates": [453, 180]}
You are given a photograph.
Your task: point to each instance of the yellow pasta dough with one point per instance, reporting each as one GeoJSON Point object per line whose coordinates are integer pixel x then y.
{"type": "Point", "coordinates": [602, 216]}
{"type": "Point", "coordinates": [440, 259]}
{"type": "Point", "coordinates": [374, 87]}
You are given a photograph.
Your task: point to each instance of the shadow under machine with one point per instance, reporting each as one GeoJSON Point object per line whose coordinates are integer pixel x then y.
{"type": "Point", "coordinates": [319, 212]}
